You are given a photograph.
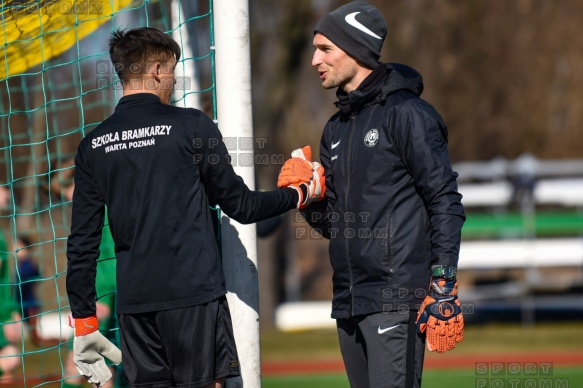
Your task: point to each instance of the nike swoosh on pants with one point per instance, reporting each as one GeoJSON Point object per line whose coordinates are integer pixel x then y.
{"type": "Point", "coordinates": [381, 331]}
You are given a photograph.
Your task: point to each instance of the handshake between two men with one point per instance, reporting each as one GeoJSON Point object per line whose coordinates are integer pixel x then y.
{"type": "Point", "coordinates": [303, 175]}
{"type": "Point", "coordinates": [440, 317]}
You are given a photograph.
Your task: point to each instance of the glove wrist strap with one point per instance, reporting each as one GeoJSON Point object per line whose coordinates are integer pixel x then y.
{"type": "Point", "coordinates": [443, 271]}
{"type": "Point", "coordinates": [84, 326]}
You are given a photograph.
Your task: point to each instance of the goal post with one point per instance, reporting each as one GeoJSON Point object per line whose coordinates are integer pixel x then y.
{"type": "Point", "coordinates": [239, 245]}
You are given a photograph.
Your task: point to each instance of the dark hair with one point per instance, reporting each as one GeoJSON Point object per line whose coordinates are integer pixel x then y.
{"type": "Point", "coordinates": [131, 50]}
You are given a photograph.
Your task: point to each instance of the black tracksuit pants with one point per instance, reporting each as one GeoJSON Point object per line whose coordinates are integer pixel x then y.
{"type": "Point", "coordinates": [382, 350]}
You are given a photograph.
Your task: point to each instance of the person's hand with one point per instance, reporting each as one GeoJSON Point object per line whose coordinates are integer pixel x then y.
{"type": "Point", "coordinates": [13, 331]}
{"type": "Point", "coordinates": [102, 311]}
{"type": "Point", "coordinates": [295, 171]}
{"type": "Point", "coordinates": [90, 347]}
{"type": "Point", "coordinates": [306, 177]}
{"type": "Point", "coordinates": [440, 316]}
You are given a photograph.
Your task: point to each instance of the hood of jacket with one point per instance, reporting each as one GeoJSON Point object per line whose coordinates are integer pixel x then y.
{"type": "Point", "coordinates": [384, 80]}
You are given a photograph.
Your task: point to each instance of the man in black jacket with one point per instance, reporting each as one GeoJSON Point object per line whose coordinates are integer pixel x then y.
{"type": "Point", "coordinates": [157, 167]}
{"type": "Point", "coordinates": [392, 210]}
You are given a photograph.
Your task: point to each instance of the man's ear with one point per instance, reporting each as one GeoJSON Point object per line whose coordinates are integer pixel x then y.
{"type": "Point", "coordinates": [155, 69]}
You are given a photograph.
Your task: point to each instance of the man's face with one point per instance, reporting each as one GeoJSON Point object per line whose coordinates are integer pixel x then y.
{"type": "Point", "coordinates": [336, 68]}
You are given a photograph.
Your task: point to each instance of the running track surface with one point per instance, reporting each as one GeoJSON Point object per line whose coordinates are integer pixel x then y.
{"type": "Point", "coordinates": [432, 361]}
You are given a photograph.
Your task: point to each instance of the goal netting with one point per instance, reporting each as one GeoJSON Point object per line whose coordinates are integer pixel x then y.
{"type": "Point", "coordinates": [58, 84]}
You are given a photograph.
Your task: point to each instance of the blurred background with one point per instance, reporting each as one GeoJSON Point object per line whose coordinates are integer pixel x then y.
{"type": "Point", "coordinates": [506, 76]}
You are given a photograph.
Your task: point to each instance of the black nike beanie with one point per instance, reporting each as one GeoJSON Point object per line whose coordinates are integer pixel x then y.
{"type": "Point", "coordinates": [358, 28]}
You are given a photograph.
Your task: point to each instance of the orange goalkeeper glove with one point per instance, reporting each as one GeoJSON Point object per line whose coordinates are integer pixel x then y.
{"type": "Point", "coordinates": [440, 316]}
{"type": "Point", "coordinates": [295, 171]}
{"type": "Point", "coordinates": [304, 176]}
{"type": "Point", "coordinates": [90, 347]}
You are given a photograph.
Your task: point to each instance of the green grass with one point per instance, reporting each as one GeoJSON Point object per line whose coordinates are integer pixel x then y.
{"type": "Point", "coordinates": [315, 346]}
{"type": "Point", "coordinates": [487, 339]}
{"type": "Point", "coordinates": [490, 338]}
{"type": "Point", "coordinates": [463, 378]}
{"type": "Point", "coordinates": [513, 224]}
{"type": "Point", "coordinates": [573, 377]}
{"type": "Point", "coordinates": [317, 381]}
{"type": "Point", "coordinates": [506, 338]}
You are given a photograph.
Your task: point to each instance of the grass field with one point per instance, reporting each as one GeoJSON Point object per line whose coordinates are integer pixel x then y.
{"type": "Point", "coordinates": [312, 358]}
{"type": "Point", "coordinates": [560, 344]}
{"type": "Point", "coordinates": [463, 378]}
{"type": "Point", "coordinates": [489, 338]}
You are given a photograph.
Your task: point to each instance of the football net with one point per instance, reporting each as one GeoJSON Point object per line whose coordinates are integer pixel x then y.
{"type": "Point", "coordinates": [58, 84]}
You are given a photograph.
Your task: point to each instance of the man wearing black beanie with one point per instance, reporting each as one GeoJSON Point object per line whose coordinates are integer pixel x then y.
{"type": "Point", "coordinates": [392, 210]}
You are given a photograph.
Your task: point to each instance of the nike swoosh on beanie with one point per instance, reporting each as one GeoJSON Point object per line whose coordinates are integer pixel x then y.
{"type": "Point", "coordinates": [358, 28]}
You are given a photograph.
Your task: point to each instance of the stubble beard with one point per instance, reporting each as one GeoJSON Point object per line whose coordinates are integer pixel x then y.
{"type": "Point", "coordinates": [338, 79]}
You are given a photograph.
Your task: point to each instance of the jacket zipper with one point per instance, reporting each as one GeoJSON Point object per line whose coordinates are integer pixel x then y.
{"type": "Point", "coordinates": [353, 119]}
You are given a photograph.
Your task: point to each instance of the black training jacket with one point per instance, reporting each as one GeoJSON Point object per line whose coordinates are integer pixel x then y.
{"type": "Point", "coordinates": [392, 208]}
{"type": "Point", "coordinates": [157, 167]}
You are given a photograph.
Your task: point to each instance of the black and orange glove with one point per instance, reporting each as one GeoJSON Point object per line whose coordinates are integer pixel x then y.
{"type": "Point", "coordinates": [306, 177]}
{"type": "Point", "coordinates": [90, 347]}
{"type": "Point", "coordinates": [440, 316]}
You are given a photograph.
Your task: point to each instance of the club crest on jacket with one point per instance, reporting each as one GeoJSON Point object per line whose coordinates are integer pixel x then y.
{"type": "Point", "coordinates": [371, 138]}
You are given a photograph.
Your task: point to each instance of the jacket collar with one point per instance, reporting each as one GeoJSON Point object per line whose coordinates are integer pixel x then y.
{"type": "Point", "coordinates": [138, 98]}
{"type": "Point", "coordinates": [384, 80]}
